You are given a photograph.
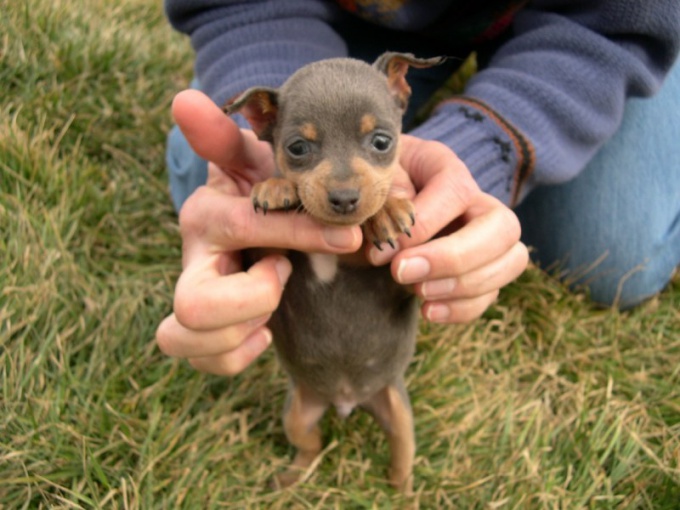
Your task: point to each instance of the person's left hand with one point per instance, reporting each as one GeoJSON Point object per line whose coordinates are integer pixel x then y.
{"type": "Point", "coordinates": [465, 244]}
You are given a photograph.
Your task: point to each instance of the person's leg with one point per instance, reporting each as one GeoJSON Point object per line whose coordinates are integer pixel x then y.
{"type": "Point", "coordinates": [615, 229]}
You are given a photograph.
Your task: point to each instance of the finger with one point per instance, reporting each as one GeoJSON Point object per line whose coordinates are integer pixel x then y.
{"type": "Point", "coordinates": [211, 222]}
{"type": "Point", "coordinates": [445, 187]}
{"type": "Point", "coordinates": [494, 275]}
{"type": "Point", "coordinates": [217, 138]}
{"type": "Point", "coordinates": [175, 340]}
{"type": "Point", "coordinates": [458, 311]}
{"type": "Point", "coordinates": [482, 240]}
{"type": "Point", "coordinates": [206, 300]}
{"type": "Point", "coordinates": [446, 190]}
{"type": "Point", "coordinates": [237, 360]}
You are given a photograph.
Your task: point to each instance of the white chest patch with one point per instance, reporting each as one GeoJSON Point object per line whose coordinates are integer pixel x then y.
{"type": "Point", "coordinates": [325, 266]}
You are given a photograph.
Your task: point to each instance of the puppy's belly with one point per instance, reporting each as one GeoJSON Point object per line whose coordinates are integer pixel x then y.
{"type": "Point", "coordinates": [345, 332]}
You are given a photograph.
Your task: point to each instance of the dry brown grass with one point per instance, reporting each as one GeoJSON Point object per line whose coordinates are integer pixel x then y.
{"type": "Point", "coordinates": [544, 403]}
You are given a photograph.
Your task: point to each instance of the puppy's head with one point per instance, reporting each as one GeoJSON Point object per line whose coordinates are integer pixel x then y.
{"type": "Point", "coordinates": [334, 126]}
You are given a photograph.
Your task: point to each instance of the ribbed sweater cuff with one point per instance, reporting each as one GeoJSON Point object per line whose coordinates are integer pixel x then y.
{"type": "Point", "coordinates": [499, 157]}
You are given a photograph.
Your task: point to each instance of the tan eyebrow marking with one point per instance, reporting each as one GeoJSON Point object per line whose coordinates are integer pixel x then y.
{"type": "Point", "coordinates": [368, 123]}
{"type": "Point", "coordinates": [309, 131]}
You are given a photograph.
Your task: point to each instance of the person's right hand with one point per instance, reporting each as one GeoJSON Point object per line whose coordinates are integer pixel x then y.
{"type": "Point", "coordinates": [220, 311]}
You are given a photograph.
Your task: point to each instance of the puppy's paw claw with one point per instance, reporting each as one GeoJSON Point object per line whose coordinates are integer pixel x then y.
{"type": "Point", "coordinates": [393, 219]}
{"type": "Point", "coordinates": [274, 193]}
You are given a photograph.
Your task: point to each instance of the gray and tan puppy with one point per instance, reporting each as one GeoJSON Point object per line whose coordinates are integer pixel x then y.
{"type": "Point", "coordinates": [344, 332]}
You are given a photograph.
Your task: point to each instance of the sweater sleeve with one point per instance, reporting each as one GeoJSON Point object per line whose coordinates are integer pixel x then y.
{"type": "Point", "coordinates": [243, 44]}
{"type": "Point", "coordinates": [555, 91]}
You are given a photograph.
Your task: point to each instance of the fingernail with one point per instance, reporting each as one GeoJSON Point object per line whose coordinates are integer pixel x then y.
{"type": "Point", "coordinates": [383, 256]}
{"type": "Point", "coordinates": [438, 288]}
{"type": "Point", "coordinates": [267, 337]}
{"type": "Point", "coordinates": [259, 341]}
{"type": "Point", "coordinates": [339, 237]}
{"type": "Point", "coordinates": [413, 270]}
{"type": "Point", "coordinates": [283, 269]}
{"type": "Point", "coordinates": [437, 312]}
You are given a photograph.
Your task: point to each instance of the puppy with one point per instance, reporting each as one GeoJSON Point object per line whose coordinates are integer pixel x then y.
{"type": "Point", "coordinates": [344, 332]}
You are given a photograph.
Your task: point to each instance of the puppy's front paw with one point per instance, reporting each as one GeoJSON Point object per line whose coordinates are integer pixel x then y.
{"type": "Point", "coordinates": [274, 193]}
{"type": "Point", "coordinates": [397, 216]}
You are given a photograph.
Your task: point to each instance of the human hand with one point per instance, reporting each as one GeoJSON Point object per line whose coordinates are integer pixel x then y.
{"type": "Point", "coordinates": [465, 245]}
{"type": "Point", "coordinates": [220, 310]}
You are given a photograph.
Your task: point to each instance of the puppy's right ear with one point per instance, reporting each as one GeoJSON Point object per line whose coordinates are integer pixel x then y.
{"type": "Point", "coordinates": [260, 107]}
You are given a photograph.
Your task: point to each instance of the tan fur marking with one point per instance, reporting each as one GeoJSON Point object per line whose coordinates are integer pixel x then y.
{"type": "Point", "coordinates": [394, 416]}
{"type": "Point", "coordinates": [312, 189]}
{"type": "Point", "coordinates": [282, 166]}
{"type": "Point", "coordinates": [324, 167]}
{"type": "Point", "coordinates": [309, 131]}
{"type": "Point", "coordinates": [402, 442]}
{"type": "Point", "coordinates": [368, 123]}
{"type": "Point", "coordinates": [265, 103]}
{"type": "Point", "coordinates": [376, 179]}
{"type": "Point", "coordinates": [300, 424]}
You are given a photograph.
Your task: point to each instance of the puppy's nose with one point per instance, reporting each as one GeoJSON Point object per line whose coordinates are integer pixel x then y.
{"type": "Point", "coordinates": [343, 201]}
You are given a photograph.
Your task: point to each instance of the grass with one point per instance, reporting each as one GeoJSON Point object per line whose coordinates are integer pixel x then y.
{"type": "Point", "coordinates": [546, 402]}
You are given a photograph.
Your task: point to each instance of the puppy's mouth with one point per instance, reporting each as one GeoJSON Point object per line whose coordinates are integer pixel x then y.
{"type": "Point", "coordinates": [340, 219]}
{"type": "Point", "coordinates": [341, 215]}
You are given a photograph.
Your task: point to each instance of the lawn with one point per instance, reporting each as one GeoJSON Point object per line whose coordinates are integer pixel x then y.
{"type": "Point", "coordinates": [545, 402]}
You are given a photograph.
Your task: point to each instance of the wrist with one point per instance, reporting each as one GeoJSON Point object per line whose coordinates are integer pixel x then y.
{"type": "Point", "coordinates": [498, 155]}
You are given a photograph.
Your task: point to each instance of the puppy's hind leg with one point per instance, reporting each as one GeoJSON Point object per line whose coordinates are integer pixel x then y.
{"type": "Point", "coordinates": [303, 411]}
{"type": "Point", "coordinates": [392, 410]}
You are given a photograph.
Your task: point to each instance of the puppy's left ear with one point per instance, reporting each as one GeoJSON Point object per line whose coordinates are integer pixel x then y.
{"type": "Point", "coordinates": [260, 107]}
{"type": "Point", "coordinates": [395, 66]}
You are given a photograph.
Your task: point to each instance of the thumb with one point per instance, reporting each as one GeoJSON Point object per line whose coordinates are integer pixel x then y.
{"type": "Point", "coordinates": [273, 267]}
{"type": "Point", "coordinates": [216, 137]}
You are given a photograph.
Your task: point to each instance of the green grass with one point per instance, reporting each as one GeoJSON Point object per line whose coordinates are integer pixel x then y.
{"type": "Point", "coordinates": [544, 403]}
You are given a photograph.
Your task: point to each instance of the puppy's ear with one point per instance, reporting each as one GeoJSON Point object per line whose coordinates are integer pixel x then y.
{"type": "Point", "coordinates": [260, 107]}
{"type": "Point", "coordinates": [395, 66]}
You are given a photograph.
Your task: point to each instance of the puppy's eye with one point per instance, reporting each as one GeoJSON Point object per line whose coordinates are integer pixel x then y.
{"type": "Point", "coordinates": [381, 142]}
{"type": "Point", "coordinates": [298, 148]}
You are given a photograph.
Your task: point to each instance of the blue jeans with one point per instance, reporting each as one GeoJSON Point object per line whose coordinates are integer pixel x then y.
{"type": "Point", "coordinates": [614, 230]}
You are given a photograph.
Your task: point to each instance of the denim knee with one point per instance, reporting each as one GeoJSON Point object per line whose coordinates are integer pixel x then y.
{"type": "Point", "coordinates": [629, 272]}
{"type": "Point", "coordinates": [187, 171]}
{"type": "Point", "coordinates": [615, 229]}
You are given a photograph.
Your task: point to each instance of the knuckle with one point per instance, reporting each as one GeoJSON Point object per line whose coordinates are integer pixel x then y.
{"type": "Point", "coordinates": [188, 311]}
{"type": "Point", "coordinates": [265, 289]}
{"type": "Point", "coordinates": [229, 364]}
{"type": "Point", "coordinates": [229, 371]}
{"type": "Point", "coordinates": [454, 260]}
{"type": "Point", "coordinates": [470, 310]}
{"type": "Point", "coordinates": [232, 337]}
{"type": "Point", "coordinates": [523, 256]}
{"type": "Point", "coordinates": [165, 338]}
{"type": "Point", "coordinates": [468, 315]}
{"type": "Point", "coordinates": [513, 228]}
{"type": "Point", "coordinates": [234, 223]}
{"type": "Point", "coordinates": [208, 212]}
{"type": "Point", "coordinates": [462, 190]}
{"type": "Point", "coordinates": [271, 295]}
{"type": "Point", "coordinates": [192, 213]}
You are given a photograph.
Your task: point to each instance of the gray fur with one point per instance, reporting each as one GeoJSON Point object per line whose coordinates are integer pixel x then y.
{"type": "Point", "coordinates": [345, 336]}
{"type": "Point", "coordinates": [326, 334]}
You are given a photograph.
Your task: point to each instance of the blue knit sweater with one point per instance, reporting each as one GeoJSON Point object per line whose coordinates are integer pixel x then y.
{"type": "Point", "coordinates": [551, 95]}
